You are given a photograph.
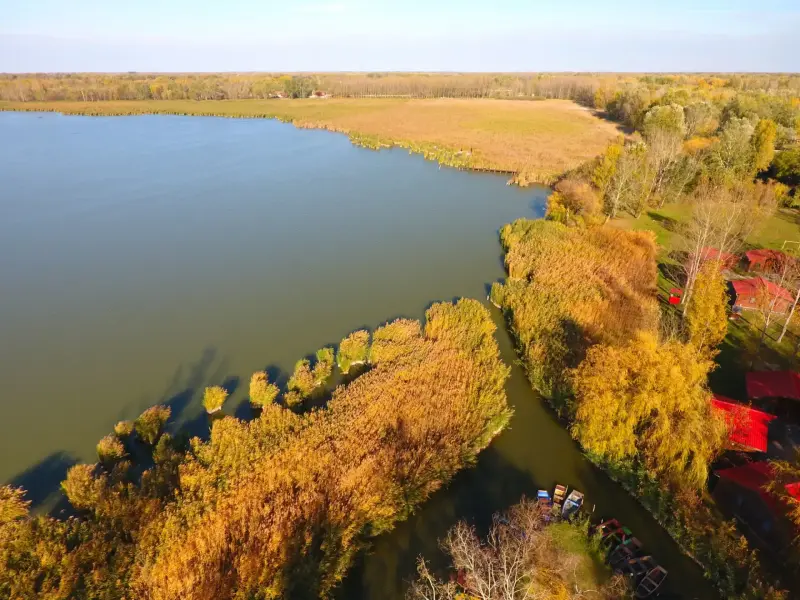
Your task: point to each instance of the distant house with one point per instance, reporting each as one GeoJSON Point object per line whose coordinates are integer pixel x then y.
{"type": "Point", "coordinates": [763, 260]}
{"type": "Point", "coordinates": [759, 293]}
{"type": "Point", "coordinates": [727, 259]}
{"type": "Point", "coordinates": [319, 94]}
{"type": "Point", "coordinates": [741, 492]}
{"type": "Point", "coordinates": [748, 428]}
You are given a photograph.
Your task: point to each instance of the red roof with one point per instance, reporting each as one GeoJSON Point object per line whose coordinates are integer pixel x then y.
{"type": "Point", "coordinates": [756, 285]}
{"type": "Point", "coordinates": [709, 253]}
{"type": "Point", "coordinates": [755, 476]}
{"type": "Point", "coordinates": [764, 254]}
{"type": "Point", "coordinates": [747, 427]}
{"type": "Point", "coordinates": [773, 384]}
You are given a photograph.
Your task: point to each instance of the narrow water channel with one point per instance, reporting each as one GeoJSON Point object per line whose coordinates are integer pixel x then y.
{"type": "Point", "coordinates": [143, 258]}
{"type": "Point", "coordinates": [535, 452]}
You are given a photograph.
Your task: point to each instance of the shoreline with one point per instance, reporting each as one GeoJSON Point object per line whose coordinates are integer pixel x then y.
{"type": "Point", "coordinates": [501, 137]}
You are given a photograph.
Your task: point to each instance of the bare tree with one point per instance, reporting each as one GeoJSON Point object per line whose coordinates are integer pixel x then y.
{"type": "Point", "coordinates": [518, 560]}
{"type": "Point", "coordinates": [722, 218]}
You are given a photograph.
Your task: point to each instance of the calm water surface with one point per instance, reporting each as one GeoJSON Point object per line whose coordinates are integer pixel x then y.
{"type": "Point", "coordinates": [144, 258]}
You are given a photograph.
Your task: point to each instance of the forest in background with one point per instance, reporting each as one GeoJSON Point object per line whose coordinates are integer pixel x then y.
{"type": "Point", "coordinates": [581, 87]}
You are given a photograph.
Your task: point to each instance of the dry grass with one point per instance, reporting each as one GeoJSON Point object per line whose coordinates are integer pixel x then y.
{"type": "Point", "coordinates": [539, 140]}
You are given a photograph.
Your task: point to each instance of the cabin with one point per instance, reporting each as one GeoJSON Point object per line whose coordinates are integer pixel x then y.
{"type": "Point", "coordinates": [727, 259]}
{"type": "Point", "coordinates": [748, 428]}
{"type": "Point", "coordinates": [763, 260]}
{"type": "Point", "coordinates": [741, 492]}
{"type": "Point", "coordinates": [773, 384]}
{"type": "Point", "coordinates": [758, 293]}
{"type": "Point", "coordinates": [319, 94]}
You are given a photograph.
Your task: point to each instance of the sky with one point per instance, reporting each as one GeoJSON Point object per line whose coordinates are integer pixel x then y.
{"type": "Point", "coordinates": [407, 35]}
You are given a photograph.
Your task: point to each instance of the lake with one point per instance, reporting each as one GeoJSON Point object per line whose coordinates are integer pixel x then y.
{"type": "Point", "coordinates": [144, 258]}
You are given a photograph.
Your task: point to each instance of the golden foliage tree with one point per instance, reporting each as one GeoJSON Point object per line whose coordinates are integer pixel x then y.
{"type": "Point", "coordinates": [353, 350]}
{"type": "Point", "coordinates": [707, 311]}
{"type": "Point", "coordinates": [647, 401]}
{"type": "Point", "coordinates": [764, 143]}
{"type": "Point", "coordinates": [262, 392]}
{"type": "Point", "coordinates": [214, 397]}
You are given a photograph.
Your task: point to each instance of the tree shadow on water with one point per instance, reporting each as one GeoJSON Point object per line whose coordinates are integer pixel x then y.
{"type": "Point", "coordinates": [474, 495]}
{"type": "Point", "coordinates": [42, 482]}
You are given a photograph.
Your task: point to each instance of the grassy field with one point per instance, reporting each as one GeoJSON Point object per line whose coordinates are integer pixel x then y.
{"type": "Point", "coordinates": [666, 222]}
{"type": "Point", "coordinates": [536, 140]}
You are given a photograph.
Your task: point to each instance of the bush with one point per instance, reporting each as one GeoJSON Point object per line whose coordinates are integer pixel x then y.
{"type": "Point", "coordinates": [302, 379]}
{"type": "Point", "coordinates": [262, 392]}
{"type": "Point", "coordinates": [323, 369]}
{"type": "Point", "coordinates": [123, 429]}
{"type": "Point", "coordinates": [353, 350]}
{"type": "Point", "coordinates": [214, 397]}
{"type": "Point", "coordinates": [150, 423]}
{"type": "Point", "coordinates": [110, 449]}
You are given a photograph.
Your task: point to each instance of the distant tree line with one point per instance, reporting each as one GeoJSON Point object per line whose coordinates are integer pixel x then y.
{"type": "Point", "coordinates": [586, 88]}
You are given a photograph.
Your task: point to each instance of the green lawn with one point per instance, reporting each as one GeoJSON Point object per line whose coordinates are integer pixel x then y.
{"type": "Point", "coordinates": [742, 350]}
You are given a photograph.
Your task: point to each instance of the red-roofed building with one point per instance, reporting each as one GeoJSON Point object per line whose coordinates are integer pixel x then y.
{"type": "Point", "coordinates": [758, 293]}
{"type": "Point", "coordinates": [748, 429]}
{"type": "Point", "coordinates": [773, 384]}
{"type": "Point", "coordinates": [741, 492]}
{"type": "Point", "coordinates": [727, 259]}
{"type": "Point", "coordinates": [765, 261]}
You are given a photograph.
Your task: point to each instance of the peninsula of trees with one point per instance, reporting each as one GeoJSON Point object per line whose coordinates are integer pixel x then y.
{"type": "Point", "coordinates": [278, 506]}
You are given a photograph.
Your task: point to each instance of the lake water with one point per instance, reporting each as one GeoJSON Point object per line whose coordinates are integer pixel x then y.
{"type": "Point", "coordinates": [144, 258]}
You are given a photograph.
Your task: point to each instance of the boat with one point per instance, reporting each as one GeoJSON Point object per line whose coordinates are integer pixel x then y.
{"type": "Point", "coordinates": [651, 582]}
{"type": "Point", "coordinates": [572, 504]}
{"type": "Point", "coordinates": [559, 493]}
{"type": "Point", "coordinates": [625, 552]}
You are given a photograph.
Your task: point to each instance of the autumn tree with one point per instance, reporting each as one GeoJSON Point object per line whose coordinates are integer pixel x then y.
{"type": "Point", "coordinates": [764, 144]}
{"type": "Point", "coordinates": [732, 156]}
{"type": "Point", "coordinates": [150, 424]}
{"type": "Point", "coordinates": [353, 350]}
{"type": "Point", "coordinates": [785, 484]}
{"type": "Point", "coordinates": [214, 397]}
{"type": "Point", "coordinates": [606, 166]}
{"type": "Point", "coordinates": [262, 392]}
{"type": "Point", "coordinates": [302, 378]}
{"type": "Point", "coordinates": [707, 314]}
{"type": "Point", "coordinates": [628, 188]}
{"type": "Point", "coordinates": [647, 402]}
{"type": "Point", "coordinates": [521, 553]}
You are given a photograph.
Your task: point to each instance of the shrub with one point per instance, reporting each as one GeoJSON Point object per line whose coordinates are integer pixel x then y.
{"type": "Point", "coordinates": [150, 423]}
{"type": "Point", "coordinates": [214, 397]}
{"type": "Point", "coordinates": [323, 368]}
{"type": "Point", "coordinates": [123, 429]}
{"type": "Point", "coordinates": [262, 392]}
{"type": "Point", "coordinates": [353, 350]}
{"type": "Point", "coordinates": [110, 449]}
{"type": "Point", "coordinates": [302, 379]}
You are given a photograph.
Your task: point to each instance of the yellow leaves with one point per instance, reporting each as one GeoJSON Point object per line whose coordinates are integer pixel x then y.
{"type": "Point", "coordinates": [214, 397]}
{"type": "Point", "coordinates": [707, 314]}
{"type": "Point", "coordinates": [569, 287]}
{"type": "Point", "coordinates": [280, 503]}
{"type": "Point", "coordinates": [262, 392]}
{"type": "Point", "coordinates": [647, 400]}
{"type": "Point", "coordinates": [353, 350]}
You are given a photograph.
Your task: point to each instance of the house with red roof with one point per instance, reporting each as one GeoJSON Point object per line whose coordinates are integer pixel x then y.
{"type": "Point", "coordinates": [748, 428]}
{"type": "Point", "coordinates": [727, 259]}
{"type": "Point", "coordinates": [759, 293]}
{"type": "Point", "coordinates": [762, 260]}
{"type": "Point", "coordinates": [763, 385]}
{"type": "Point", "coordinates": [741, 492]}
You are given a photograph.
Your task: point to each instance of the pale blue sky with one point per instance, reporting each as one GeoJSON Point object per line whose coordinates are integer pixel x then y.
{"type": "Point", "coordinates": [448, 35]}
